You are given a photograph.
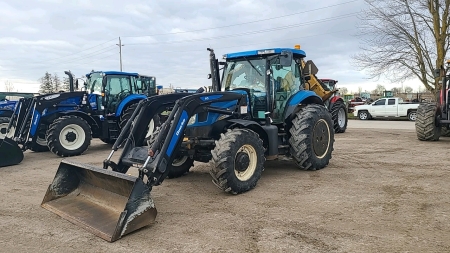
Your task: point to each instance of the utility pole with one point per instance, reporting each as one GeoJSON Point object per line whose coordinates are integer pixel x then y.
{"type": "Point", "coordinates": [120, 52]}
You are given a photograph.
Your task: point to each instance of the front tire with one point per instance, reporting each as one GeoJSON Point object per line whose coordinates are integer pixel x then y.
{"type": "Point", "coordinates": [363, 115]}
{"type": "Point", "coordinates": [312, 137]}
{"type": "Point", "coordinates": [412, 115]}
{"type": "Point", "coordinates": [69, 136]}
{"type": "Point", "coordinates": [339, 116]}
{"type": "Point", "coordinates": [426, 128]}
{"type": "Point", "coordinates": [237, 161]}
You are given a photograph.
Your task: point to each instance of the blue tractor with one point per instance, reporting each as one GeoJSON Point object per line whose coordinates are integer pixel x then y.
{"type": "Point", "coordinates": [65, 122]}
{"type": "Point", "coordinates": [257, 111]}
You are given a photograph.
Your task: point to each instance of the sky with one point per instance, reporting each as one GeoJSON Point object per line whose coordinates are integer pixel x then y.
{"type": "Point", "coordinates": [168, 39]}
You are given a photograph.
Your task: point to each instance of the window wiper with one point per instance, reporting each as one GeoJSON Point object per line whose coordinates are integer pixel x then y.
{"type": "Point", "coordinates": [251, 64]}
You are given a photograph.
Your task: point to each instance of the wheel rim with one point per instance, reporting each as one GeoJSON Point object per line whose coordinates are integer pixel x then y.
{"type": "Point", "coordinates": [341, 118]}
{"type": "Point", "coordinates": [41, 142]}
{"type": "Point", "coordinates": [151, 128]}
{"type": "Point", "coordinates": [321, 138]}
{"type": "Point", "coordinates": [412, 116]}
{"type": "Point", "coordinates": [363, 115]}
{"type": "Point", "coordinates": [3, 127]}
{"type": "Point", "coordinates": [245, 162]}
{"type": "Point", "coordinates": [72, 137]}
{"type": "Point", "coordinates": [179, 161]}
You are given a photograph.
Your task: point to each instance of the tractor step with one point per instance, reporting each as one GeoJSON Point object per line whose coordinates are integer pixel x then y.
{"type": "Point", "coordinates": [113, 129]}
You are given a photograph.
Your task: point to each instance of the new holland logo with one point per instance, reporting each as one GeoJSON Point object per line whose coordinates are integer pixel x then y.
{"type": "Point", "coordinates": [181, 126]}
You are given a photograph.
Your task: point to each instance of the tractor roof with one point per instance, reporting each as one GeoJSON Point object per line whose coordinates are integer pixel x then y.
{"type": "Point", "coordinates": [114, 73]}
{"type": "Point", "coordinates": [267, 51]}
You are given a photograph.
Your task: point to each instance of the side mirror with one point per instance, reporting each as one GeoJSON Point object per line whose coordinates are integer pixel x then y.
{"type": "Point", "coordinates": [437, 73]}
{"type": "Point", "coordinates": [286, 58]}
{"type": "Point", "coordinates": [209, 76]}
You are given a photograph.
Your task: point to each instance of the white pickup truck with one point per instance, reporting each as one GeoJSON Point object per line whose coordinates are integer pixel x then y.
{"type": "Point", "coordinates": [386, 107]}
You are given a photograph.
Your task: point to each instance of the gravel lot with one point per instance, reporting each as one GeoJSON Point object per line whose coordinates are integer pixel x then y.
{"type": "Point", "coordinates": [384, 191]}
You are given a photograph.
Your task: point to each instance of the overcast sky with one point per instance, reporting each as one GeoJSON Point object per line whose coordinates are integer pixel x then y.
{"type": "Point", "coordinates": [168, 39]}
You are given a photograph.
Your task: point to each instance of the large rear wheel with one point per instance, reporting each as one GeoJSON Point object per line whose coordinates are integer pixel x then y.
{"type": "Point", "coordinates": [237, 161]}
{"type": "Point", "coordinates": [312, 137]}
{"type": "Point", "coordinates": [339, 116]}
{"type": "Point", "coordinates": [426, 127]}
{"type": "Point", "coordinates": [69, 136]}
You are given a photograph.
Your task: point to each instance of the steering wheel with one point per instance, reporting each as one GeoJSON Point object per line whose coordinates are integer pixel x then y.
{"type": "Point", "coordinates": [122, 94]}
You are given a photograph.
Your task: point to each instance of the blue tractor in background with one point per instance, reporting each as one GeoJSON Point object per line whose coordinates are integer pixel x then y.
{"type": "Point", "coordinates": [65, 122]}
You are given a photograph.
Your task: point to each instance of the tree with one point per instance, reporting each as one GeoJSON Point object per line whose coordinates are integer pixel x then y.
{"type": "Point", "coordinates": [46, 86]}
{"type": "Point", "coordinates": [404, 39]}
{"type": "Point", "coordinates": [66, 84]}
{"type": "Point", "coordinates": [408, 89]}
{"type": "Point", "coordinates": [396, 90]}
{"type": "Point", "coordinates": [379, 89]}
{"type": "Point", "coordinates": [359, 89]}
{"type": "Point", "coordinates": [56, 82]}
{"type": "Point", "coordinates": [9, 86]}
{"type": "Point", "coordinates": [343, 90]}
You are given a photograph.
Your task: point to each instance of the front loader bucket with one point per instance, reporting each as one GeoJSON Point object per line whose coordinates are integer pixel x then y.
{"type": "Point", "coordinates": [10, 152]}
{"type": "Point", "coordinates": [106, 203]}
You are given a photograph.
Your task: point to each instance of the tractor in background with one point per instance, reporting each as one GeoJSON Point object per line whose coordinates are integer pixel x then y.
{"type": "Point", "coordinates": [65, 122]}
{"type": "Point", "coordinates": [326, 89]}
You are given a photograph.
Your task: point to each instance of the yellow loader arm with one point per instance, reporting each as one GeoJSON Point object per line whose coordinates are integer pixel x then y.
{"type": "Point", "coordinates": [314, 84]}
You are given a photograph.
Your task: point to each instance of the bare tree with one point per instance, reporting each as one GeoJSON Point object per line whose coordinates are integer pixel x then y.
{"type": "Point", "coordinates": [404, 39]}
{"type": "Point", "coordinates": [408, 89]}
{"type": "Point", "coordinates": [379, 89]}
{"type": "Point", "coordinates": [9, 86]}
{"type": "Point", "coordinates": [396, 90]}
{"type": "Point", "coordinates": [343, 90]}
{"type": "Point", "coordinates": [359, 89]}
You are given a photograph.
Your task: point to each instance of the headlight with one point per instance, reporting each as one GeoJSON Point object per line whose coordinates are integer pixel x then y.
{"type": "Point", "coordinates": [192, 120]}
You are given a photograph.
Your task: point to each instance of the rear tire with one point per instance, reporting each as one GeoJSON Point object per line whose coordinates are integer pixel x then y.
{"type": "Point", "coordinates": [412, 115]}
{"type": "Point", "coordinates": [426, 128]}
{"type": "Point", "coordinates": [69, 136]}
{"type": "Point", "coordinates": [237, 161]}
{"type": "Point", "coordinates": [445, 131]}
{"type": "Point", "coordinates": [312, 137]}
{"type": "Point", "coordinates": [339, 116]}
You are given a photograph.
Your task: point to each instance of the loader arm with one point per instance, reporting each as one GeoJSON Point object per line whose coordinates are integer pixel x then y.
{"type": "Point", "coordinates": [314, 84]}
{"type": "Point", "coordinates": [135, 129]}
{"type": "Point", "coordinates": [168, 141]}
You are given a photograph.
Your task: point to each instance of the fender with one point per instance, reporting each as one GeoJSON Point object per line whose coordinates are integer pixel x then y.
{"type": "Point", "coordinates": [5, 113]}
{"type": "Point", "coordinates": [248, 124]}
{"type": "Point", "coordinates": [301, 97]}
{"type": "Point", "coordinates": [127, 100]}
{"type": "Point", "coordinates": [90, 120]}
{"type": "Point", "coordinates": [335, 99]}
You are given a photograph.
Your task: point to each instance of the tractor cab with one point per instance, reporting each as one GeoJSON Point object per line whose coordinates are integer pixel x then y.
{"type": "Point", "coordinates": [108, 89]}
{"type": "Point", "coordinates": [271, 76]}
{"type": "Point", "coordinates": [146, 85]}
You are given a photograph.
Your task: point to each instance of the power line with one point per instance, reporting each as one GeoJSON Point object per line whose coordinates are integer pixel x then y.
{"type": "Point", "coordinates": [239, 24]}
{"type": "Point", "coordinates": [253, 32]}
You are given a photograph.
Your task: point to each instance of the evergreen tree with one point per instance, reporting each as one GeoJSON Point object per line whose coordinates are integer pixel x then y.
{"type": "Point", "coordinates": [66, 84]}
{"type": "Point", "coordinates": [56, 83]}
{"type": "Point", "coordinates": [46, 86]}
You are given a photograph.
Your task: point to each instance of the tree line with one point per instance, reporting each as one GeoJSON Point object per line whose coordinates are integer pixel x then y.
{"type": "Point", "coordinates": [53, 83]}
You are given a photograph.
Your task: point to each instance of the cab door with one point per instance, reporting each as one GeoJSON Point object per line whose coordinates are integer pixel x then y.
{"type": "Point", "coordinates": [378, 108]}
